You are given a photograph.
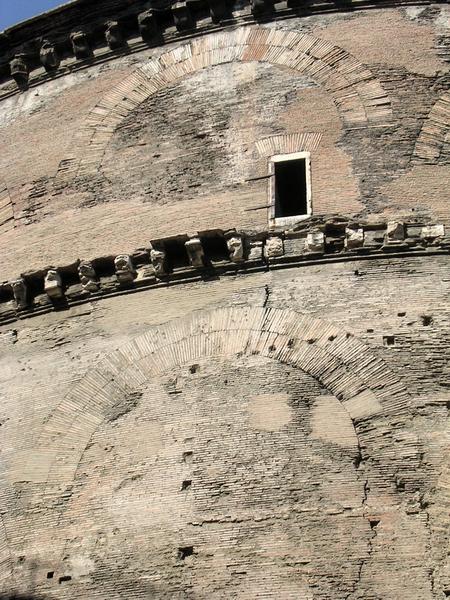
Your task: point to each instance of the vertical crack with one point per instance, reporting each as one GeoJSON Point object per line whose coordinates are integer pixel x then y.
{"type": "Point", "coordinates": [266, 295]}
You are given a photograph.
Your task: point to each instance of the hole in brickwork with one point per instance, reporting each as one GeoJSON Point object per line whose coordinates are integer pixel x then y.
{"type": "Point", "coordinates": [373, 523]}
{"type": "Point", "coordinates": [400, 485]}
{"type": "Point", "coordinates": [334, 244]}
{"type": "Point", "coordinates": [401, 314]}
{"type": "Point", "coordinates": [311, 340]}
{"type": "Point", "coordinates": [447, 404]}
{"type": "Point", "coordinates": [187, 483]}
{"type": "Point", "coordinates": [65, 579]}
{"type": "Point", "coordinates": [389, 340]}
{"type": "Point", "coordinates": [331, 338]}
{"type": "Point", "coordinates": [185, 551]}
{"type": "Point", "coordinates": [6, 294]}
{"type": "Point", "coordinates": [215, 248]}
{"type": "Point", "coordinates": [176, 254]}
{"type": "Point", "coordinates": [369, 330]}
{"type": "Point", "coordinates": [426, 320]}
{"type": "Point", "coordinates": [447, 593]}
{"type": "Point", "coordinates": [290, 343]}
{"type": "Point", "coordinates": [272, 348]}
{"type": "Point", "coordinates": [104, 266]}
{"type": "Point", "coordinates": [50, 574]}
{"type": "Point", "coordinates": [357, 273]}
{"type": "Point", "coordinates": [188, 457]}
{"type": "Point", "coordinates": [69, 276]}
{"type": "Point", "coordinates": [35, 285]}
{"type": "Point", "coordinates": [194, 369]}
{"type": "Point", "coordinates": [290, 188]}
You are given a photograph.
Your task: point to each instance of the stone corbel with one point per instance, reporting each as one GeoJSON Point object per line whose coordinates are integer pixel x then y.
{"type": "Point", "coordinates": [88, 276]}
{"type": "Point", "coordinates": [195, 252]}
{"type": "Point", "coordinates": [262, 8]}
{"type": "Point", "coordinates": [20, 71]}
{"type": "Point", "coordinates": [235, 245]}
{"type": "Point", "coordinates": [182, 16]}
{"type": "Point", "coordinates": [354, 237]}
{"type": "Point", "coordinates": [395, 232]}
{"type": "Point", "coordinates": [159, 261]}
{"type": "Point", "coordinates": [218, 10]}
{"type": "Point", "coordinates": [315, 242]}
{"type": "Point", "coordinates": [274, 247]}
{"type": "Point", "coordinates": [148, 27]}
{"type": "Point", "coordinates": [53, 284]}
{"type": "Point", "coordinates": [49, 57]}
{"type": "Point", "coordinates": [125, 271]}
{"type": "Point", "coordinates": [80, 45]}
{"type": "Point", "coordinates": [19, 289]}
{"type": "Point", "coordinates": [432, 232]}
{"type": "Point", "coordinates": [113, 35]}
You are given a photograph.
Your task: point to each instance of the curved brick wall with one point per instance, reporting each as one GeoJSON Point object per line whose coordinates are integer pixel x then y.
{"type": "Point", "coordinates": [194, 403]}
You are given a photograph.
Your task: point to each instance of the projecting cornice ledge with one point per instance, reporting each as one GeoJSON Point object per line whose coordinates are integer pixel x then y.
{"type": "Point", "coordinates": [82, 33]}
{"type": "Point", "coordinates": [207, 254]}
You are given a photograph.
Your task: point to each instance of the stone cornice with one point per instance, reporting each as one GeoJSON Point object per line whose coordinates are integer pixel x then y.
{"type": "Point", "coordinates": [202, 255]}
{"type": "Point", "coordinates": [83, 33]}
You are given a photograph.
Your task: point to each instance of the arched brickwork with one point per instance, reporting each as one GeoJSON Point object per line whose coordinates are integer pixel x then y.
{"type": "Point", "coordinates": [290, 142]}
{"type": "Point", "coordinates": [341, 363]}
{"type": "Point", "coordinates": [434, 131]}
{"type": "Point", "coordinates": [358, 95]}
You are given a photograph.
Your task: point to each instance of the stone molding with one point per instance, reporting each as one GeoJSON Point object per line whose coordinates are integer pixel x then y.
{"type": "Point", "coordinates": [357, 93]}
{"type": "Point", "coordinates": [435, 131]}
{"type": "Point", "coordinates": [59, 287]}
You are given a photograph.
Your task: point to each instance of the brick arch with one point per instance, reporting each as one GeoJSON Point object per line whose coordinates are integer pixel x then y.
{"type": "Point", "coordinates": [287, 143]}
{"type": "Point", "coordinates": [357, 93]}
{"type": "Point", "coordinates": [341, 363]}
{"type": "Point", "coordinates": [435, 131]}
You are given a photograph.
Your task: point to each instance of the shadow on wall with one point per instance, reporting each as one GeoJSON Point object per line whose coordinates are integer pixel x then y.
{"type": "Point", "coordinates": [20, 597]}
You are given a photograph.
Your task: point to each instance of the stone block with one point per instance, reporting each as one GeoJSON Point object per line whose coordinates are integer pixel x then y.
{"type": "Point", "coordinates": [432, 232]}
{"type": "Point", "coordinates": [274, 247]}
{"type": "Point", "coordinates": [159, 261]}
{"type": "Point", "coordinates": [315, 242]}
{"type": "Point", "coordinates": [53, 284]}
{"type": "Point", "coordinates": [235, 245]}
{"type": "Point", "coordinates": [88, 276]}
{"type": "Point", "coordinates": [395, 231]}
{"type": "Point", "coordinates": [125, 271]}
{"type": "Point", "coordinates": [19, 288]}
{"type": "Point", "coordinates": [49, 56]}
{"type": "Point", "coordinates": [254, 250]}
{"type": "Point", "coordinates": [354, 237]}
{"type": "Point", "coordinates": [195, 252]}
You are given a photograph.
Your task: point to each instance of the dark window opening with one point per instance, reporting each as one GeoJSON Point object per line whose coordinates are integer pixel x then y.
{"type": "Point", "coordinates": [50, 574]}
{"type": "Point", "coordinates": [291, 193]}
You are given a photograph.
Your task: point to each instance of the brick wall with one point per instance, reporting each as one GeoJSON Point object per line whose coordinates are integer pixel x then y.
{"type": "Point", "coordinates": [193, 140]}
{"type": "Point", "coordinates": [266, 431]}
{"type": "Point", "coordinates": [249, 456]}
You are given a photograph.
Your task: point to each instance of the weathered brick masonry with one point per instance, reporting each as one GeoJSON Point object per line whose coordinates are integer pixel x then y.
{"type": "Point", "coordinates": [198, 402]}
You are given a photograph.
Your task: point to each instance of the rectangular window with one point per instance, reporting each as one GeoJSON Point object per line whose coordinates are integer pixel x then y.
{"type": "Point", "coordinates": [290, 188]}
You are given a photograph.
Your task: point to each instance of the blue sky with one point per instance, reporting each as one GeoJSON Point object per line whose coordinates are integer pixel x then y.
{"type": "Point", "coordinates": [13, 11]}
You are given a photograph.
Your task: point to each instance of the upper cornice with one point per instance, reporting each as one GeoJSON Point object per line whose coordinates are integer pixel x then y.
{"type": "Point", "coordinates": [80, 33]}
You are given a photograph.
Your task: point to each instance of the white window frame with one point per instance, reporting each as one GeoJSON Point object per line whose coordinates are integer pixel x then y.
{"type": "Point", "coordinates": [306, 156]}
